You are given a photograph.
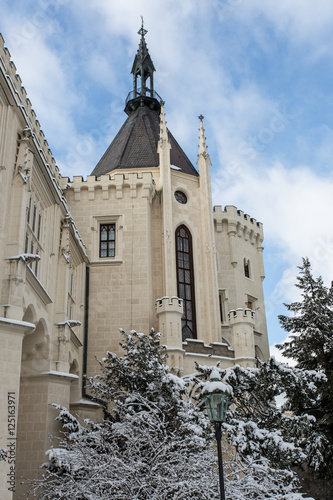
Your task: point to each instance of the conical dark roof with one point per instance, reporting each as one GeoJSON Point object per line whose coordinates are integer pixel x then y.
{"type": "Point", "coordinates": [135, 145]}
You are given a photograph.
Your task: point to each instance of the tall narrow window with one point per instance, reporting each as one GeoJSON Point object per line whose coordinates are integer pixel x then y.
{"type": "Point", "coordinates": [185, 279]}
{"type": "Point", "coordinates": [36, 263]}
{"type": "Point", "coordinates": [28, 212]}
{"type": "Point", "coordinates": [39, 223]}
{"type": "Point", "coordinates": [34, 218]}
{"type": "Point", "coordinates": [107, 240]}
{"type": "Point", "coordinates": [222, 299]}
{"type": "Point", "coordinates": [247, 268]}
{"type": "Point", "coordinates": [31, 251]}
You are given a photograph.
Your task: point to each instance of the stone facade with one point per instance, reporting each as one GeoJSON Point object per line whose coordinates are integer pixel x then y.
{"type": "Point", "coordinates": [63, 301]}
{"type": "Point", "coordinates": [42, 300]}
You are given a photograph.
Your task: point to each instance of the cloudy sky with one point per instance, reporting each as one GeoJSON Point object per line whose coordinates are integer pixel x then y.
{"type": "Point", "coordinates": [259, 72]}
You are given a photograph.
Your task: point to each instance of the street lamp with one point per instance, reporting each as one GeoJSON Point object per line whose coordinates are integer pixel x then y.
{"type": "Point", "coordinates": [216, 397]}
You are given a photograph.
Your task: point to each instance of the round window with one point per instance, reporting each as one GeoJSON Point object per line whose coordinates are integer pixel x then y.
{"type": "Point", "coordinates": [181, 197]}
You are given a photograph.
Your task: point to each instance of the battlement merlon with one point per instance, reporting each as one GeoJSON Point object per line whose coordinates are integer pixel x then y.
{"type": "Point", "coordinates": [169, 304]}
{"type": "Point", "coordinates": [117, 181]}
{"type": "Point", "coordinates": [237, 221]}
{"type": "Point", "coordinates": [241, 315]}
{"type": "Point", "coordinates": [18, 96]}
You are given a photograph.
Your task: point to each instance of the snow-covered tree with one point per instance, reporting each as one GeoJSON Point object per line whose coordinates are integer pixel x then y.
{"type": "Point", "coordinates": [261, 431]}
{"type": "Point", "coordinates": [155, 442]}
{"type": "Point", "coordinates": [310, 343]}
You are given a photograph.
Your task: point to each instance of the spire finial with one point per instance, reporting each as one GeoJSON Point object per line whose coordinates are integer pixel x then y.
{"type": "Point", "coordinates": [142, 31]}
{"type": "Point", "coordinates": [142, 50]}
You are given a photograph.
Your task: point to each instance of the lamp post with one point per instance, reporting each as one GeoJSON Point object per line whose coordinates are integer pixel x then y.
{"type": "Point", "coordinates": [216, 397]}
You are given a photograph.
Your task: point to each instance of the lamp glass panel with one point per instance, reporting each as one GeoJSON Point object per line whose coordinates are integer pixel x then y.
{"type": "Point", "coordinates": [216, 405]}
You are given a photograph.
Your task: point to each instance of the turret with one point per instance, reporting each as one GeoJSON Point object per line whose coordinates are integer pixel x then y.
{"type": "Point", "coordinates": [136, 144]}
{"type": "Point", "coordinates": [142, 68]}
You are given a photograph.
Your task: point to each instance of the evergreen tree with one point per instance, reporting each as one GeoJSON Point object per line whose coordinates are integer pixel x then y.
{"type": "Point", "coordinates": [155, 442]}
{"type": "Point", "coordinates": [310, 343]}
{"type": "Point", "coordinates": [261, 432]}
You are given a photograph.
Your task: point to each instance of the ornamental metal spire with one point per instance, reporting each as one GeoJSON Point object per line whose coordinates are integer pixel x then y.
{"type": "Point", "coordinates": [143, 92]}
{"type": "Point", "coordinates": [142, 31]}
{"type": "Point", "coordinates": [142, 50]}
{"type": "Point", "coordinates": [143, 67]}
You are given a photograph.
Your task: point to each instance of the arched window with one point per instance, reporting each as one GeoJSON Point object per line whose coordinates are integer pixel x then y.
{"type": "Point", "coordinates": [185, 281]}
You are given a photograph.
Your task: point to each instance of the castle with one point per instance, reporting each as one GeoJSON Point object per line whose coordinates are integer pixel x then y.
{"type": "Point", "coordinates": [136, 245]}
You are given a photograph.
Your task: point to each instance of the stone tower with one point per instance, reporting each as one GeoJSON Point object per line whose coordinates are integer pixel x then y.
{"type": "Point", "coordinates": [159, 256]}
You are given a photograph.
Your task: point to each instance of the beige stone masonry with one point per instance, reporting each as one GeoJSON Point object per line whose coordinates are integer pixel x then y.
{"type": "Point", "coordinates": [112, 186]}
{"type": "Point", "coordinates": [16, 276]}
{"type": "Point", "coordinates": [37, 428]}
{"type": "Point", "coordinates": [168, 230]}
{"type": "Point", "coordinates": [11, 336]}
{"type": "Point", "coordinates": [242, 324]}
{"type": "Point", "coordinates": [244, 225]}
{"type": "Point", "coordinates": [195, 346]}
{"type": "Point", "coordinates": [209, 299]}
{"type": "Point", "coordinates": [169, 312]}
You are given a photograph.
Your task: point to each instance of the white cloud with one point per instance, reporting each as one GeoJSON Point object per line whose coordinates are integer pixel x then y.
{"type": "Point", "coordinates": [46, 78]}
{"type": "Point", "coordinates": [301, 20]}
{"type": "Point", "coordinates": [295, 206]}
{"type": "Point", "coordinates": [276, 353]}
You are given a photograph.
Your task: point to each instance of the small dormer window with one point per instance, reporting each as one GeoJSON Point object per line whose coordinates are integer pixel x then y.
{"type": "Point", "coordinates": [181, 197]}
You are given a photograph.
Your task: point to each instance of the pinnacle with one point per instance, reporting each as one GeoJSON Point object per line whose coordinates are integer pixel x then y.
{"type": "Point", "coordinates": [202, 138]}
{"type": "Point", "coordinates": [163, 127]}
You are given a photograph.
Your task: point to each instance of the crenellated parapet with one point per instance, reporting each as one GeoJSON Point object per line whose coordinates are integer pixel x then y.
{"type": "Point", "coordinates": [241, 315]}
{"type": "Point", "coordinates": [239, 226]}
{"type": "Point", "coordinates": [172, 304]}
{"type": "Point", "coordinates": [238, 223]}
{"type": "Point", "coordinates": [116, 186]}
{"type": "Point", "coordinates": [17, 95]}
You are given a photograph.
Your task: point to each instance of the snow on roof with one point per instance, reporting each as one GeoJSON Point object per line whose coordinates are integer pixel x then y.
{"type": "Point", "coordinates": [69, 322]}
{"type": "Point", "coordinates": [17, 322]}
{"type": "Point", "coordinates": [26, 257]}
{"type": "Point", "coordinates": [61, 374]}
{"type": "Point", "coordinates": [215, 384]}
